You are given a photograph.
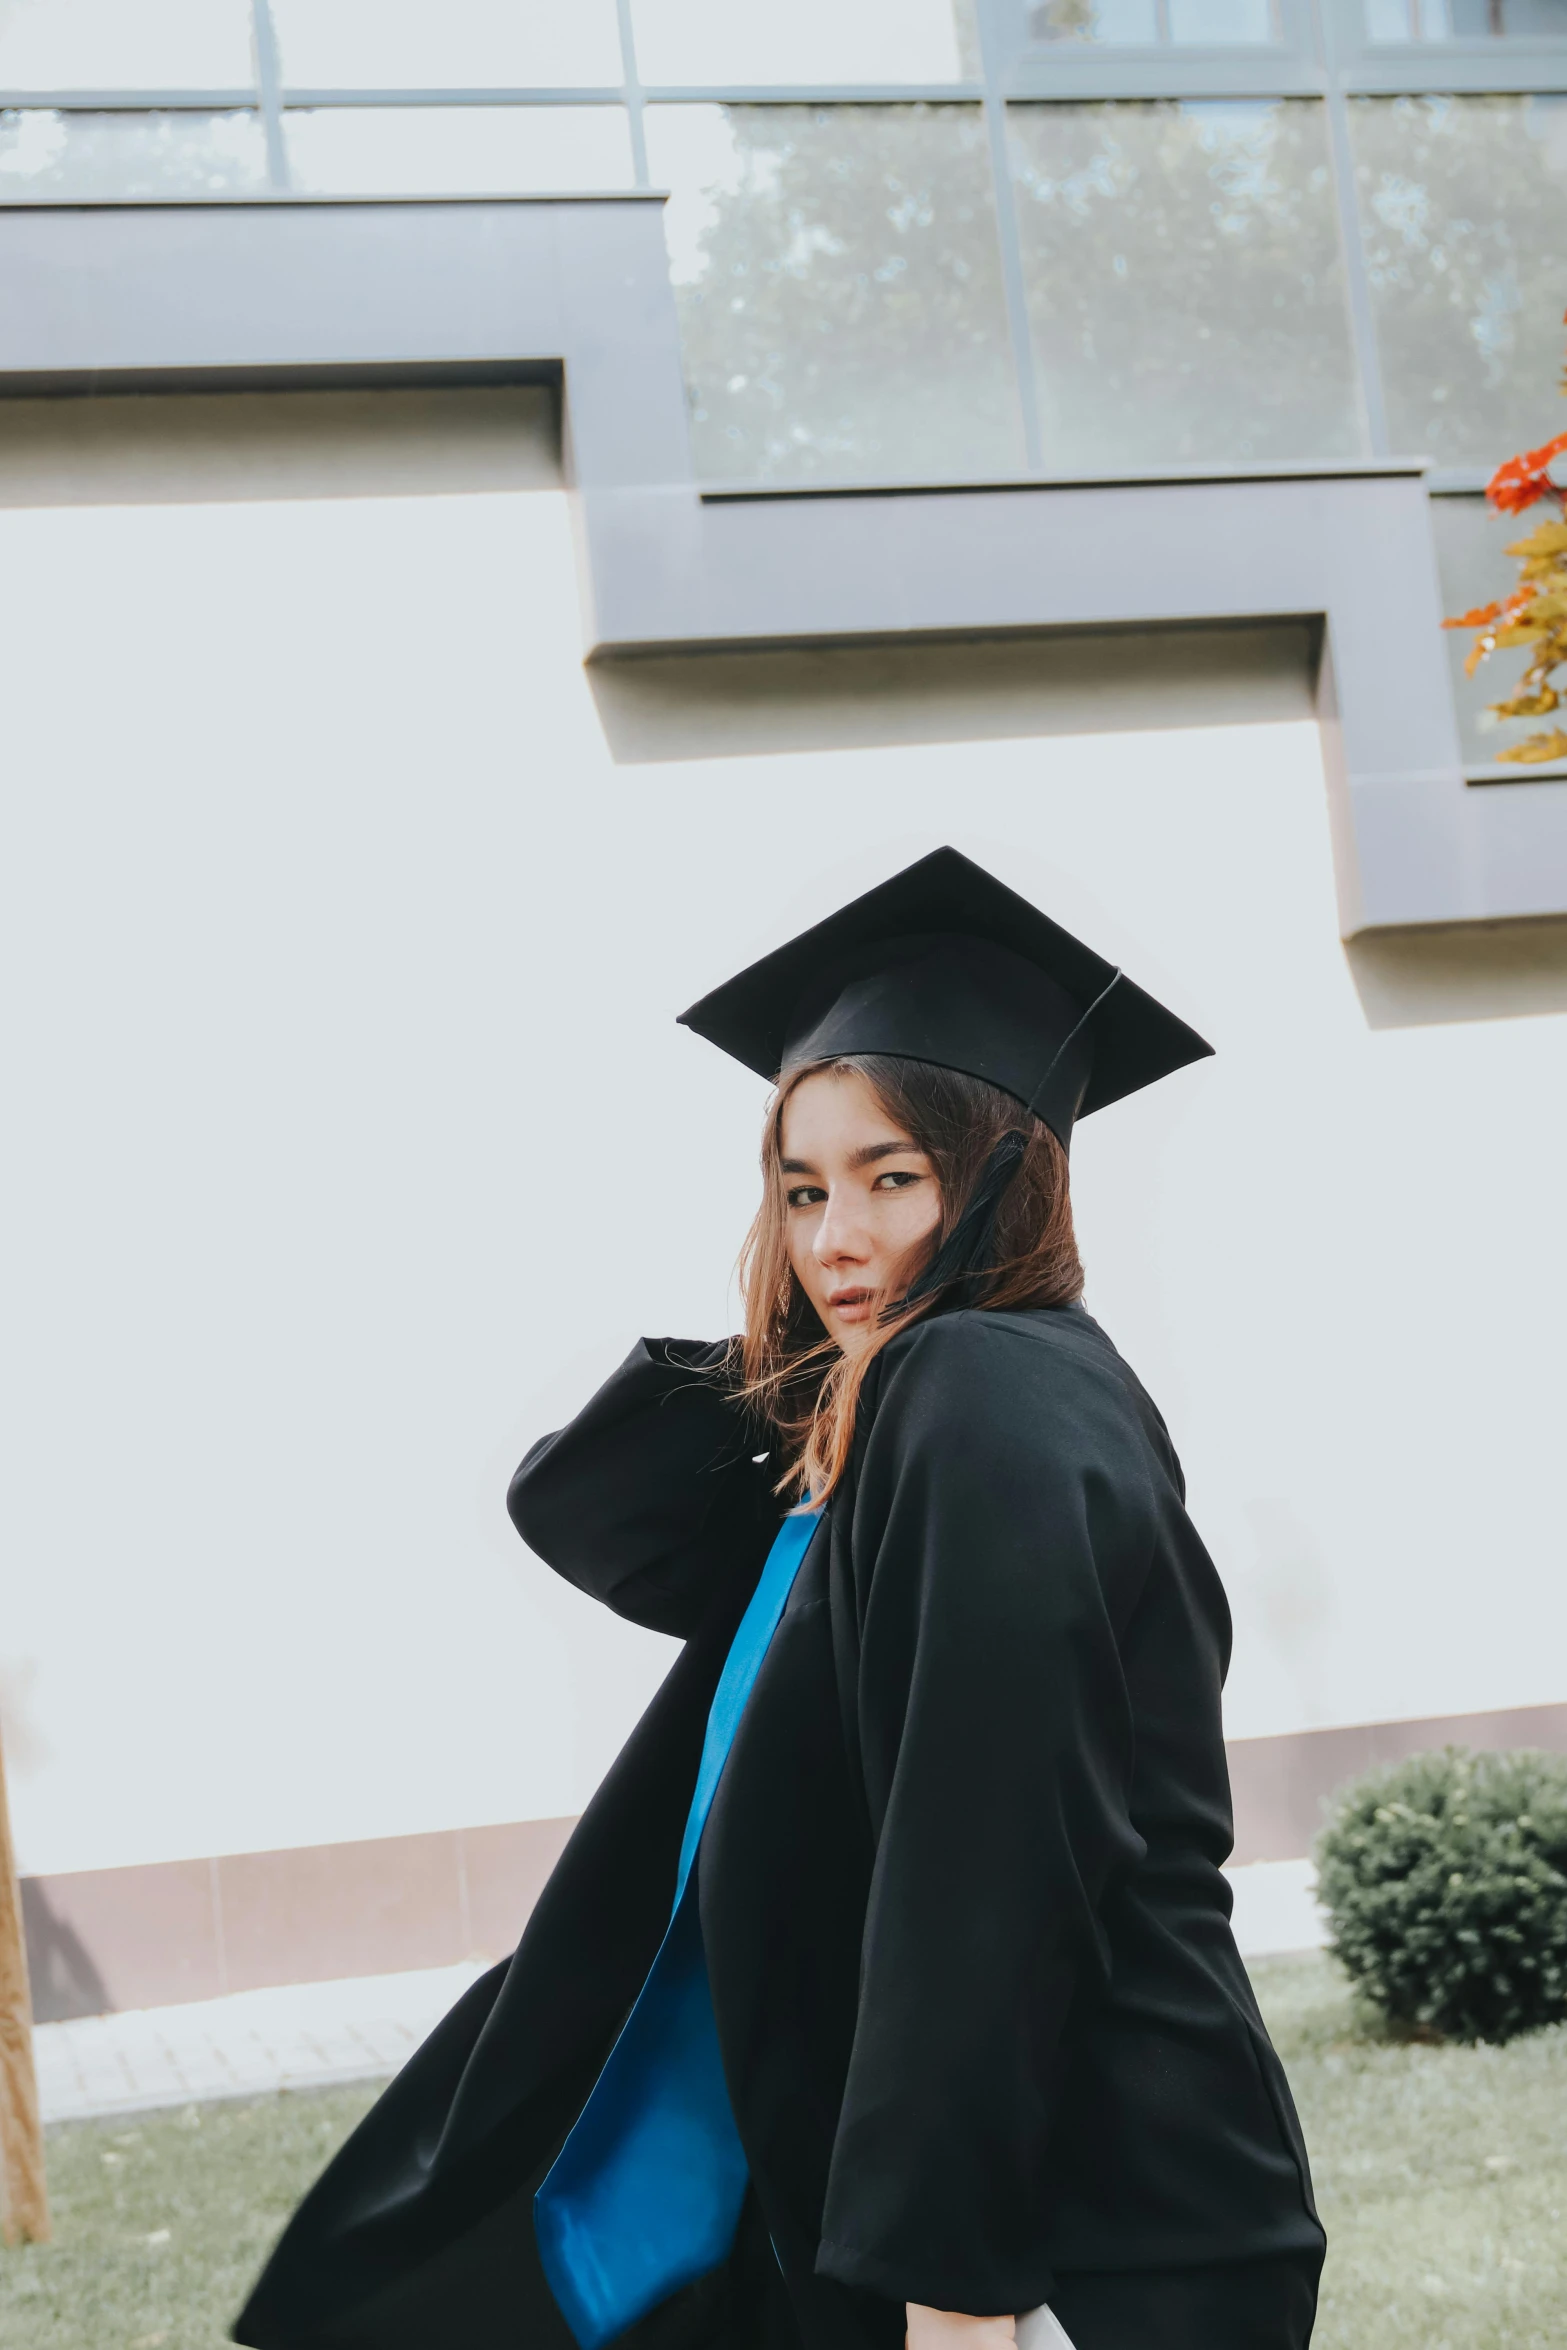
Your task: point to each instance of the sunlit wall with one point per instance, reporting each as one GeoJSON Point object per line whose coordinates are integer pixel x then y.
{"type": "Point", "coordinates": [345, 917]}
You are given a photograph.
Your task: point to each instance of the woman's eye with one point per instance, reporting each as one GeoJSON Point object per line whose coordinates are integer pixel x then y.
{"type": "Point", "coordinates": [806, 1195]}
{"type": "Point", "coordinates": [896, 1179]}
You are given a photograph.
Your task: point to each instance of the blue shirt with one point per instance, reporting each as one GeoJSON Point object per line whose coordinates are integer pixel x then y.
{"type": "Point", "coordinates": [645, 2195]}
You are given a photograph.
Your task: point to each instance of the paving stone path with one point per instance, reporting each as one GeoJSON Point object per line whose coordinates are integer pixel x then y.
{"type": "Point", "coordinates": [309, 2035]}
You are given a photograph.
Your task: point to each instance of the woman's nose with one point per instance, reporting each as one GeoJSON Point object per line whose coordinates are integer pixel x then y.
{"type": "Point", "coordinates": [840, 1235]}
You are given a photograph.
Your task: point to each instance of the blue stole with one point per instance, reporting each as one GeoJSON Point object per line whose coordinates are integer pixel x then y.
{"type": "Point", "coordinates": [645, 2195]}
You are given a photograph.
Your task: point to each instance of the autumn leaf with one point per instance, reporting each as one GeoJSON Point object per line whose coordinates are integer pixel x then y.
{"type": "Point", "coordinates": [1546, 539]}
{"type": "Point", "coordinates": [1524, 598]}
{"type": "Point", "coordinates": [1536, 750]}
{"type": "Point", "coordinates": [1534, 705]}
{"type": "Point", "coordinates": [1524, 480]}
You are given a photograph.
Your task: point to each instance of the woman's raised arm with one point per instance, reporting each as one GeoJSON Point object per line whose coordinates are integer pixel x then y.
{"type": "Point", "coordinates": [651, 1497]}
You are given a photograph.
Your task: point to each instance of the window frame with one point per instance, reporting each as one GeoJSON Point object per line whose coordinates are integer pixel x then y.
{"type": "Point", "coordinates": [1398, 69]}
{"type": "Point", "coordinates": [1322, 54]}
{"type": "Point", "coordinates": [1289, 67]}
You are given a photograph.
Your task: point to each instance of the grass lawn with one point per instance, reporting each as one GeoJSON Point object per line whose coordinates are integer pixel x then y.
{"type": "Point", "coordinates": [1441, 2173]}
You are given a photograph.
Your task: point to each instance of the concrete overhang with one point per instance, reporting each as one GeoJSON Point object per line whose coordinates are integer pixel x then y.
{"type": "Point", "coordinates": [96, 297]}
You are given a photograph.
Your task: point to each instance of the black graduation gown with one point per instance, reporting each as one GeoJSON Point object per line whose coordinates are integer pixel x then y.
{"type": "Point", "coordinates": [982, 2017]}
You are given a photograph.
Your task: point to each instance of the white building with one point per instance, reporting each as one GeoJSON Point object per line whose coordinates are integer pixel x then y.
{"type": "Point", "coordinates": [348, 908]}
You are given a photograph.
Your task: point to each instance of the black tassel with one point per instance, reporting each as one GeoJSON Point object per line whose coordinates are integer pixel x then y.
{"type": "Point", "coordinates": [969, 1247]}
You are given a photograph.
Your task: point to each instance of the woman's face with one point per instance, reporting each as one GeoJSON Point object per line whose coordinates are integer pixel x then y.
{"type": "Point", "coordinates": [860, 1200]}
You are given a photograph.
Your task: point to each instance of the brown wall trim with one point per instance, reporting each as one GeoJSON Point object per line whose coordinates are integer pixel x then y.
{"type": "Point", "coordinates": [99, 1940]}
{"type": "Point", "coordinates": [104, 1939]}
{"type": "Point", "coordinates": [1282, 1785]}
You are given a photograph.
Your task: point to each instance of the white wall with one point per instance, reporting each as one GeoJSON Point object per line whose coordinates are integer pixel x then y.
{"type": "Point", "coordinates": [352, 1139]}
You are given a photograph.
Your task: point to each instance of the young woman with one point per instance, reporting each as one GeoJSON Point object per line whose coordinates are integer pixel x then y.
{"type": "Point", "coordinates": [886, 1989]}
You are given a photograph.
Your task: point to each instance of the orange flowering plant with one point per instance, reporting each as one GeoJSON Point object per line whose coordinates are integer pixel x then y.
{"type": "Point", "coordinates": [1535, 614]}
{"type": "Point", "coordinates": [1537, 609]}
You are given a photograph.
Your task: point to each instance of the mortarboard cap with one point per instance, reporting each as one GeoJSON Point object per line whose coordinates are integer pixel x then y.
{"type": "Point", "coordinates": [944, 963]}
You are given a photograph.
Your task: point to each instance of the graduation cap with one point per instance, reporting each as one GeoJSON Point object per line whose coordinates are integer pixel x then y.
{"type": "Point", "coordinates": [944, 963]}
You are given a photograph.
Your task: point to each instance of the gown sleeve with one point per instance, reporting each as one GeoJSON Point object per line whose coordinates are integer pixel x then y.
{"type": "Point", "coordinates": [1003, 1525]}
{"type": "Point", "coordinates": [651, 1496]}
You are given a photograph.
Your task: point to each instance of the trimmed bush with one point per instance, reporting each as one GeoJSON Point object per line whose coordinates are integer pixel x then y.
{"type": "Point", "coordinates": [1445, 1881]}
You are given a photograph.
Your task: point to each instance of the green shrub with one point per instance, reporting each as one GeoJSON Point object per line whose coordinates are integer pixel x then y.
{"type": "Point", "coordinates": [1445, 1881]}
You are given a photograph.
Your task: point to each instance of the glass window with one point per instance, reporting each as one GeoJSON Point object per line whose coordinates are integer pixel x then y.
{"type": "Point", "coordinates": [125, 45]}
{"type": "Point", "coordinates": [456, 150]}
{"type": "Point", "coordinates": [751, 43]}
{"type": "Point", "coordinates": [1222, 20]}
{"type": "Point", "coordinates": [1464, 20]}
{"type": "Point", "coordinates": [1145, 23]}
{"type": "Point", "coordinates": [43, 153]}
{"type": "Point", "coordinates": [446, 44]}
{"type": "Point", "coordinates": [1476, 569]}
{"type": "Point", "coordinates": [1409, 20]}
{"type": "Point", "coordinates": [1184, 282]}
{"type": "Point", "coordinates": [1116, 22]}
{"type": "Point", "coordinates": [1464, 205]}
{"type": "Point", "coordinates": [839, 288]}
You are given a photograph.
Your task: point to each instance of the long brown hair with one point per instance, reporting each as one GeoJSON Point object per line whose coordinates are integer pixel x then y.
{"type": "Point", "coordinates": [797, 1379]}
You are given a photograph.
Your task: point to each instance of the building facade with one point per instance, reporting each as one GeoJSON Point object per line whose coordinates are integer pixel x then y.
{"type": "Point", "coordinates": [508, 512]}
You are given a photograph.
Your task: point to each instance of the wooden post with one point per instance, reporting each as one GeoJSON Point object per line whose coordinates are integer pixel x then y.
{"type": "Point", "coordinates": [24, 2201]}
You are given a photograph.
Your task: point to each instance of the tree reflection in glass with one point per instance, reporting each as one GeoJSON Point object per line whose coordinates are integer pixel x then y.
{"type": "Point", "coordinates": [1463, 203]}
{"type": "Point", "coordinates": [48, 153]}
{"type": "Point", "coordinates": [839, 290]}
{"type": "Point", "coordinates": [1185, 285]}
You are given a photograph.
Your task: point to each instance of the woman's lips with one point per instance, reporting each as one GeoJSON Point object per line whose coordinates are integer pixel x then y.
{"type": "Point", "coordinates": [851, 1305]}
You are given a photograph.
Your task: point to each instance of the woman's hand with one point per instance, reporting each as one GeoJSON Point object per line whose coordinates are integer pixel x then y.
{"type": "Point", "coordinates": [947, 2329]}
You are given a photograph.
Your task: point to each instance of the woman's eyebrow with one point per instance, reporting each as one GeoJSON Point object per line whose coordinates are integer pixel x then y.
{"type": "Point", "coordinates": [871, 1151]}
{"type": "Point", "coordinates": [865, 1156]}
